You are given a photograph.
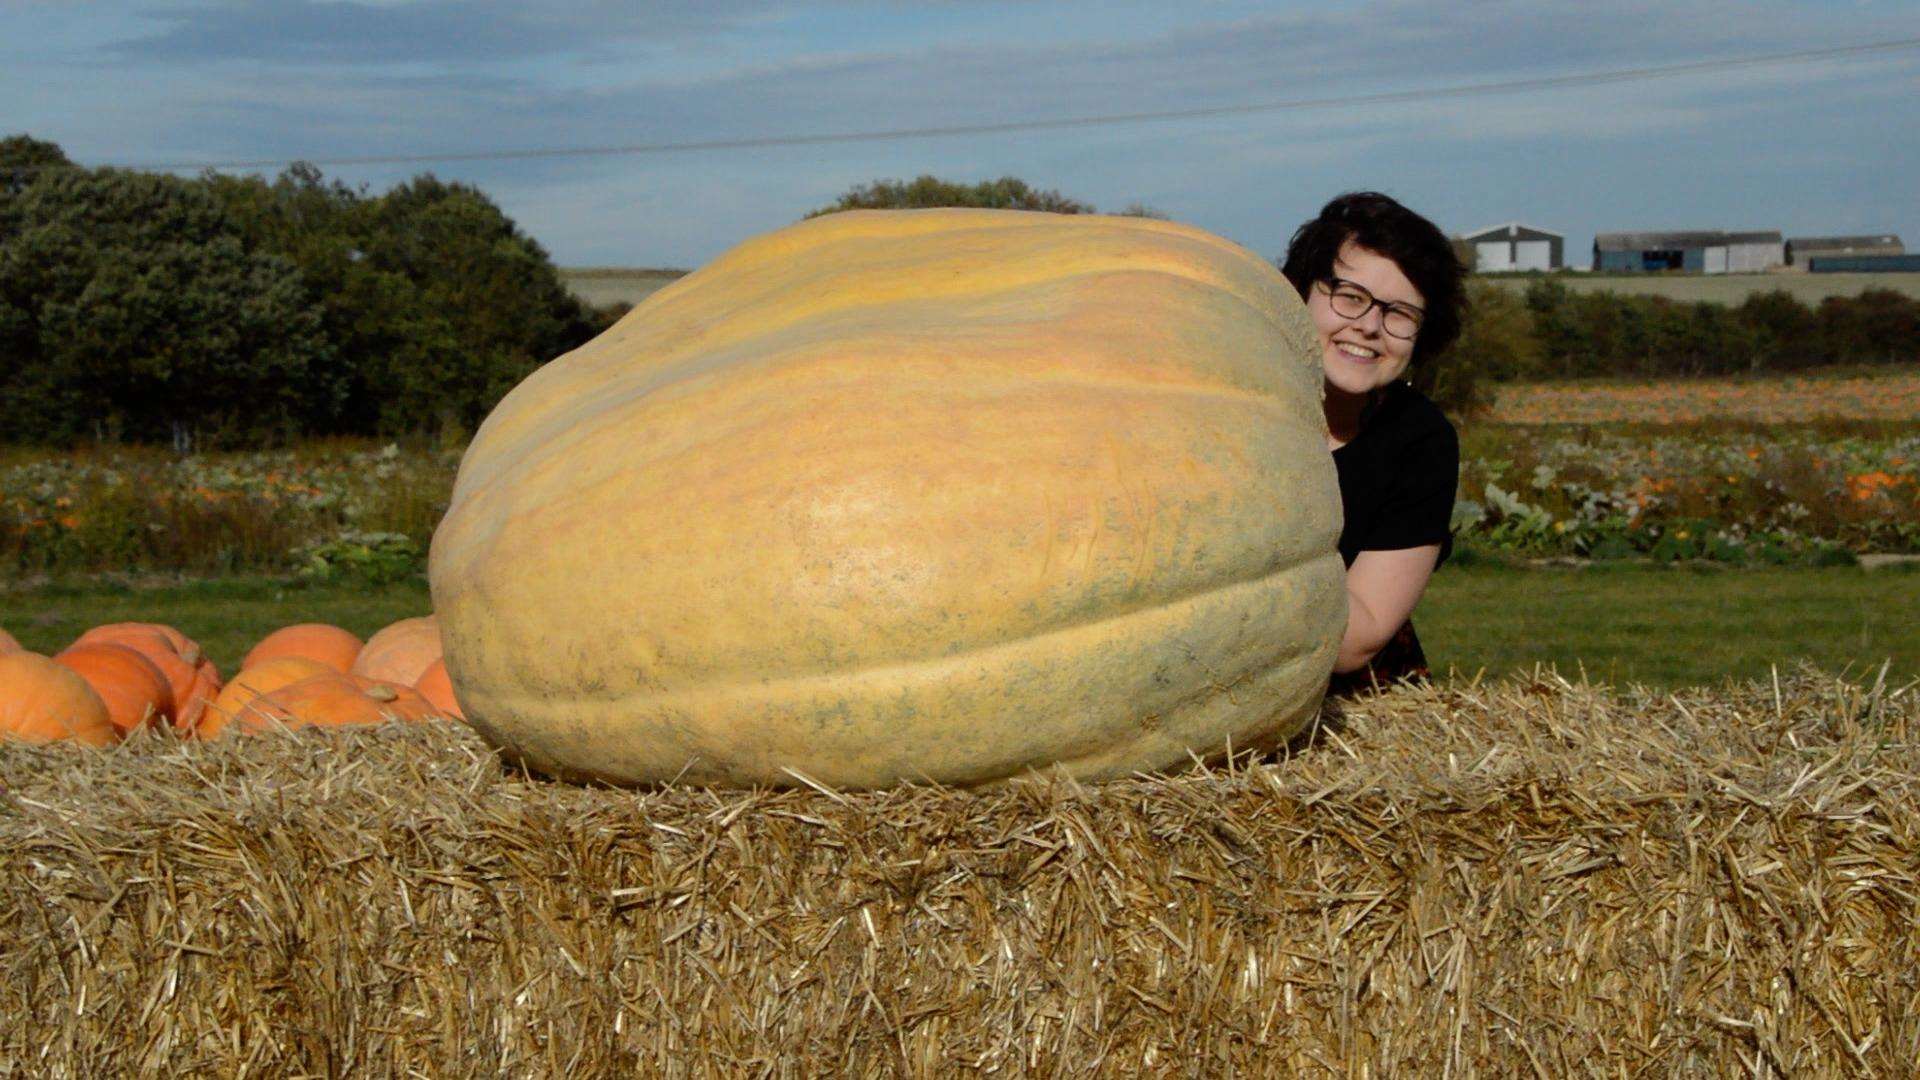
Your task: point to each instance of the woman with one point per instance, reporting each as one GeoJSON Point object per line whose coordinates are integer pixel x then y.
{"type": "Point", "coordinates": [1384, 289]}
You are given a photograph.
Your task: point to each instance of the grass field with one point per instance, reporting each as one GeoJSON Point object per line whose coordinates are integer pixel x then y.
{"type": "Point", "coordinates": [1621, 623]}
{"type": "Point", "coordinates": [601, 286]}
{"type": "Point", "coordinates": [226, 616]}
{"type": "Point", "coordinates": [1671, 626]}
{"type": "Point", "coordinates": [1726, 288]}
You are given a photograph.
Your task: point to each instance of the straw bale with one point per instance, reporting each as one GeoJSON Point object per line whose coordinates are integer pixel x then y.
{"type": "Point", "coordinates": [1534, 877]}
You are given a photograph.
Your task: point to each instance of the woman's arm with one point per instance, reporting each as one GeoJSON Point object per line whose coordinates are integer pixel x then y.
{"type": "Point", "coordinates": [1382, 588]}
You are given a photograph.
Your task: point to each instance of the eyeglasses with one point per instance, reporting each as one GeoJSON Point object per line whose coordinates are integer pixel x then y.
{"type": "Point", "coordinates": [1351, 301]}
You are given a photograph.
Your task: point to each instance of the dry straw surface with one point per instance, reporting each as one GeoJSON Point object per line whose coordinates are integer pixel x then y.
{"type": "Point", "coordinates": [1529, 878]}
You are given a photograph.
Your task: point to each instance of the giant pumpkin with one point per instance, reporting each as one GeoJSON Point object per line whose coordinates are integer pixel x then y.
{"type": "Point", "coordinates": [889, 496]}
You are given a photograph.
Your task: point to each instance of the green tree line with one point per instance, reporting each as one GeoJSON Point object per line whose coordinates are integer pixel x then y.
{"type": "Point", "coordinates": [239, 311]}
{"type": "Point", "coordinates": [242, 311]}
{"type": "Point", "coordinates": [1553, 332]}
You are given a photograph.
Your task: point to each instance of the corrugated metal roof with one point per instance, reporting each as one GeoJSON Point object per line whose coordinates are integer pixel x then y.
{"type": "Point", "coordinates": [1669, 241]}
{"type": "Point", "coordinates": [1885, 241]}
{"type": "Point", "coordinates": [1506, 229]}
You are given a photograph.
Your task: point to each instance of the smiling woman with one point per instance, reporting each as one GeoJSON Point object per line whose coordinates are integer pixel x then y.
{"type": "Point", "coordinates": [1384, 290]}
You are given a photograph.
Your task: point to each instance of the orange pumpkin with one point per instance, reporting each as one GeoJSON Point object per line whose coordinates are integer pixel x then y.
{"type": "Point", "coordinates": [151, 644]}
{"type": "Point", "coordinates": [206, 687]}
{"type": "Point", "coordinates": [401, 653]}
{"type": "Point", "coordinates": [330, 645]}
{"type": "Point", "coordinates": [177, 641]}
{"type": "Point", "coordinates": [132, 688]}
{"type": "Point", "coordinates": [41, 702]}
{"type": "Point", "coordinates": [254, 680]}
{"type": "Point", "coordinates": [7, 643]}
{"type": "Point", "coordinates": [437, 688]}
{"type": "Point", "coordinates": [193, 678]}
{"type": "Point", "coordinates": [333, 700]}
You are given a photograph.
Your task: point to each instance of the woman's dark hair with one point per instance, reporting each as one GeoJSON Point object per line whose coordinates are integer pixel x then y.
{"type": "Point", "coordinates": [1379, 224]}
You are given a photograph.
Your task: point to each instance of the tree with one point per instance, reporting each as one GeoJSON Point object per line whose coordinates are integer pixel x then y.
{"type": "Point", "coordinates": [489, 306]}
{"type": "Point", "coordinates": [1496, 343]}
{"type": "Point", "coordinates": [1786, 330]}
{"type": "Point", "coordinates": [924, 192]}
{"type": "Point", "coordinates": [435, 301]}
{"type": "Point", "coordinates": [150, 308]}
{"type": "Point", "coordinates": [23, 157]}
{"type": "Point", "coordinates": [130, 307]}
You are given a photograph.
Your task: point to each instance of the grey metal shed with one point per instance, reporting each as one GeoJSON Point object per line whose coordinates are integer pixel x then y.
{"type": "Point", "coordinates": [1802, 248]}
{"type": "Point", "coordinates": [1704, 251]}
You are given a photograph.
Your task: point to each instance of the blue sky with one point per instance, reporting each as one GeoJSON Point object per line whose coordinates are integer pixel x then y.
{"type": "Point", "coordinates": [1820, 147]}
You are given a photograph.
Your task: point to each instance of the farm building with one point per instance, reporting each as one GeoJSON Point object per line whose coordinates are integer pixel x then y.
{"type": "Point", "coordinates": [1800, 249]}
{"type": "Point", "coordinates": [1512, 246]}
{"type": "Point", "coordinates": [1701, 251]}
{"type": "Point", "coordinates": [1864, 264]}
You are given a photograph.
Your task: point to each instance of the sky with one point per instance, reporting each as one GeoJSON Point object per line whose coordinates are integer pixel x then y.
{"type": "Point", "coordinates": [1814, 147]}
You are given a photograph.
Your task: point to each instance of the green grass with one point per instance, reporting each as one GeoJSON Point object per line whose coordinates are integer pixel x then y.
{"type": "Point", "coordinates": [1661, 626]}
{"type": "Point", "coordinates": [1671, 626]}
{"type": "Point", "coordinates": [226, 616]}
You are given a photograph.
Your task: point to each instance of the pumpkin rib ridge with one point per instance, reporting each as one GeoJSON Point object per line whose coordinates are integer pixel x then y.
{"type": "Point", "coordinates": [858, 303]}
{"type": "Point", "coordinates": [559, 433]}
{"type": "Point", "coordinates": [1100, 761]}
{"type": "Point", "coordinates": [660, 374]}
{"type": "Point", "coordinates": [1277, 665]}
{"type": "Point", "coordinates": [810, 236]}
{"type": "Point", "coordinates": [580, 428]}
{"type": "Point", "coordinates": [786, 680]}
{"type": "Point", "coordinates": [1289, 557]}
{"type": "Point", "coordinates": [706, 347]}
{"type": "Point", "coordinates": [581, 431]}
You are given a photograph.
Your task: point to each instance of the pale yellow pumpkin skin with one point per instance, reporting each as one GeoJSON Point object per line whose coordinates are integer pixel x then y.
{"type": "Point", "coordinates": [884, 496]}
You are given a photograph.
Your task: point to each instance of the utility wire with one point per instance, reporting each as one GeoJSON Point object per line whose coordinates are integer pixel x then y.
{"type": "Point", "coordinates": [1509, 86]}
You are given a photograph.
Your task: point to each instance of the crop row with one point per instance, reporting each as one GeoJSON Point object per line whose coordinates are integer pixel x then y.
{"type": "Point", "coordinates": [1767, 494]}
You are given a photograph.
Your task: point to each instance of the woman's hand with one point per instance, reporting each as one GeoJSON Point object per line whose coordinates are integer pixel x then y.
{"type": "Point", "coordinates": [1382, 588]}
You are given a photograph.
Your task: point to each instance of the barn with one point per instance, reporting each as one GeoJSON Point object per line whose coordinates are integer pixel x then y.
{"type": "Point", "coordinates": [1802, 248]}
{"type": "Point", "coordinates": [1512, 246]}
{"type": "Point", "coordinates": [1702, 251]}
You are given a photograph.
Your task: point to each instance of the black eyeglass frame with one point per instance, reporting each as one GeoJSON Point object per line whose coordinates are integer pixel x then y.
{"type": "Point", "coordinates": [1333, 285]}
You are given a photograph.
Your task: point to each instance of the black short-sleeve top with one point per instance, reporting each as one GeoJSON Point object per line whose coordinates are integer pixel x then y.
{"type": "Point", "coordinates": [1398, 477]}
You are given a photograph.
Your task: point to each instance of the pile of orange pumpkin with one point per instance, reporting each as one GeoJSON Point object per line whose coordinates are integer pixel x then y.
{"type": "Point", "coordinates": [118, 678]}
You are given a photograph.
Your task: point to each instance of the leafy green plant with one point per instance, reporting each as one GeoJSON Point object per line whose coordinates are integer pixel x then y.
{"type": "Point", "coordinates": [373, 558]}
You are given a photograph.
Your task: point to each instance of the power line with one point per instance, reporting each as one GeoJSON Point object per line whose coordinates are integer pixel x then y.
{"type": "Point", "coordinates": [1486, 89]}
